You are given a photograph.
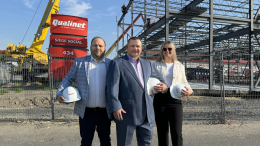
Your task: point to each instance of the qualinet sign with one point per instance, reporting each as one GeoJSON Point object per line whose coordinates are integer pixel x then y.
{"type": "Point", "coordinates": [65, 24]}
{"type": "Point", "coordinates": [56, 22]}
{"type": "Point", "coordinates": [59, 40]}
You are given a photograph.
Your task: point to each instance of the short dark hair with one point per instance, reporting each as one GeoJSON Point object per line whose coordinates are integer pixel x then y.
{"type": "Point", "coordinates": [96, 38]}
{"type": "Point", "coordinates": [134, 38]}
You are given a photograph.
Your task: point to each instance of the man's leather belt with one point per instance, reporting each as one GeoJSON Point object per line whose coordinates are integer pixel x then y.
{"type": "Point", "coordinates": [97, 109]}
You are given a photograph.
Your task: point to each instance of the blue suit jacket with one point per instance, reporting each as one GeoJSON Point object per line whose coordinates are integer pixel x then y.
{"type": "Point", "coordinates": [125, 91]}
{"type": "Point", "coordinates": [80, 71]}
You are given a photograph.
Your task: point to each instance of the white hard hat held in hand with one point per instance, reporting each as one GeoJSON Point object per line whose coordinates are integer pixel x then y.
{"type": "Point", "coordinates": [176, 89]}
{"type": "Point", "coordinates": [71, 94]}
{"type": "Point", "coordinates": [150, 83]}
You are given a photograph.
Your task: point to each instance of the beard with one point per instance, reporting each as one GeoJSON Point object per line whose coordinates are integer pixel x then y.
{"type": "Point", "coordinates": [96, 56]}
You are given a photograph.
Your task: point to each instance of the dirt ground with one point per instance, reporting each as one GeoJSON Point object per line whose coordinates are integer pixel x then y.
{"type": "Point", "coordinates": [32, 95]}
{"type": "Point", "coordinates": [51, 133]}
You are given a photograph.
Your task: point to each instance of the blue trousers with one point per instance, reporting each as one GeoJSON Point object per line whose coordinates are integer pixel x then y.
{"type": "Point", "coordinates": [125, 133]}
{"type": "Point", "coordinates": [95, 120]}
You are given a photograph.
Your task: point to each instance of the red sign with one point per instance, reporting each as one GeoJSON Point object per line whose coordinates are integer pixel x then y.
{"type": "Point", "coordinates": [68, 41]}
{"type": "Point", "coordinates": [60, 67]}
{"type": "Point", "coordinates": [65, 24]}
{"type": "Point", "coordinates": [67, 52]}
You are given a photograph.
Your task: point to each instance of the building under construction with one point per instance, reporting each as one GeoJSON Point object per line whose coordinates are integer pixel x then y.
{"type": "Point", "coordinates": [223, 30]}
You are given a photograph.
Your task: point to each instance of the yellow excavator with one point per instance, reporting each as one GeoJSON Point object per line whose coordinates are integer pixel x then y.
{"type": "Point", "coordinates": [32, 62]}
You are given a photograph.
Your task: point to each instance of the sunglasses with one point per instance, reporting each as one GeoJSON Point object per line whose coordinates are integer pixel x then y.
{"type": "Point", "coordinates": [165, 49]}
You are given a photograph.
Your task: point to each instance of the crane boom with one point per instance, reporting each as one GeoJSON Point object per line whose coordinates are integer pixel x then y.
{"type": "Point", "coordinates": [35, 48]}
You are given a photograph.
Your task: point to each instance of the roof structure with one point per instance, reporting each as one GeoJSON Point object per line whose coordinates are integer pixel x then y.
{"type": "Point", "coordinates": [189, 25]}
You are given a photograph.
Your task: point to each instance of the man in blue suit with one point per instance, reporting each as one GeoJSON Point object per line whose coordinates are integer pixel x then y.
{"type": "Point", "coordinates": [130, 103]}
{"type": "Point", "coordinates": [93, 108]}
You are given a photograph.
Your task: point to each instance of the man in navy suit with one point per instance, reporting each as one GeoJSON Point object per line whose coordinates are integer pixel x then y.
{"type": "Point", "coordinates": [129, 101]}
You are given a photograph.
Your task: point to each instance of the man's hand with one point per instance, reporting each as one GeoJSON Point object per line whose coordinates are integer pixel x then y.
{"type": "Point", "coordinates": [186, 92]}
{"type": "Point", "coordinates": [61, 99]}
{"type": "Point", "coordinates": [118, 115]}
{"type": "Point", "coordinates": [160, 87]}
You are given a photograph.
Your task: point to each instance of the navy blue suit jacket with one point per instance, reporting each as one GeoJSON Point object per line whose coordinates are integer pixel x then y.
{"type": "Point", "coordinates": [125, 91]}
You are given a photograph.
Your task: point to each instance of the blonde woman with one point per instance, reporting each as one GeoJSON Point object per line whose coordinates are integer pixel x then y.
{"type": "Point", "coordinates": [168, 110]}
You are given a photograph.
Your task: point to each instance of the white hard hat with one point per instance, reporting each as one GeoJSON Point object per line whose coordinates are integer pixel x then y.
{"type": "Point", "coordinates": [176, 89]}
{"type": "Point", "coordinates": [150, 83]}
{"type": "Point", "coordinates": [71, 94]}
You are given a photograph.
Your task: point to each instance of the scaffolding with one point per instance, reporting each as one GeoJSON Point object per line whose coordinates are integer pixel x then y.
{"type": "Point", "coordinates": [204, 27]}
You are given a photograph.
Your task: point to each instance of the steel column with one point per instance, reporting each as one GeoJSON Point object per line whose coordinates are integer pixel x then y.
{"type": "Point", "coordinates": [211, 49]}
{"type": "Point", "coordinates": [167, 18]}
{"type": "Point", "coordinates": [123, 30]}
{"type": "Point", "coordinates": [251, 45]}
{"type": "Point", "coordinates": [222, 83]}
{"type": "Point", "coordinates": [51, 88]}
{"type": "Point", "coordinates": [132, 17]}
{"type": "Point", "coordinates": [117, 47]}
{"type": "Point", "coordinates": [145, 27]}
{"type": "Point", "coordinates": [186, 48]}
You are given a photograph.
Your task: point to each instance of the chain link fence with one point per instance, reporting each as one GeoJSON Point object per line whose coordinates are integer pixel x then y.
{"type": "Point", "coordinates": [27, 96]}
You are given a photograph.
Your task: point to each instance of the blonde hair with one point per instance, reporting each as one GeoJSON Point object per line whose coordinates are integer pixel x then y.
{"type": "Point", "coordinates": [174, 57]}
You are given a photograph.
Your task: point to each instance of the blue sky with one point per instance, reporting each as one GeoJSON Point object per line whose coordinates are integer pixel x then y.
{"type": "Point", "coordinates": [16, 16]}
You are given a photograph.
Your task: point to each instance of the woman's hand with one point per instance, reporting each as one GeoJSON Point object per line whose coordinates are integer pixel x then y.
{"type": "Point", "coordinates": [160, 87]}
{"type": "Point", "coordinates": [186, 92]}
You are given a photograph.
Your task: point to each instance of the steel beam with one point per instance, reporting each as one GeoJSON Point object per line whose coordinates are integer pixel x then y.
{"type": "Point", "coordinates": [132, 25]}
{"type": "Point", "coordinates": [240, 32]}
{"type": "Point", "coordinates": [123, 15]}
{"type": "Point", "coordinates": [203, 17]}
{"type": "Point", "coordinates": [153, 28]}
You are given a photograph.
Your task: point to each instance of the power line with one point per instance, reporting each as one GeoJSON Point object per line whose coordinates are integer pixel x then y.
{"type": "Point", "coordinates": [32, 20]}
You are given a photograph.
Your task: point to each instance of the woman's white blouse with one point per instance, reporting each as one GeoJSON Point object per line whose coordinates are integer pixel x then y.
{"type": "Point", "coordinates": [169, 74]}
{"type": "Point", "coordinates": [178, 73]}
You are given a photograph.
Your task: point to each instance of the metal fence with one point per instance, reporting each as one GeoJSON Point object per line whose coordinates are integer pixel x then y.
{"type": "Point", "coordinates": [35, 98]}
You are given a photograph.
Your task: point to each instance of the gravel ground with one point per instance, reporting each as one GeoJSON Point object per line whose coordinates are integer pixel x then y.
{"type": "Point", "coordinates": [31, 133]}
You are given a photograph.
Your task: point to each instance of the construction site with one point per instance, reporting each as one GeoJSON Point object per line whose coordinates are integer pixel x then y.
{"type": "Point", "coordinates": [205, 34]}
{"type": "Point", "coordinates": [217, 41]}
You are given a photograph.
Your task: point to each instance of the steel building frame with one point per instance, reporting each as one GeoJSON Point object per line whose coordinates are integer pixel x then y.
{"type": "Point", "coordinates": [205, 27]}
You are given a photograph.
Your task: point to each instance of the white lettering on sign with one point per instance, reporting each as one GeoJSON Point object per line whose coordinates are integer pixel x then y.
{"type": "Point", "coordinates": [69, 41]}
{"type": "Point", "coordinates": [68, 52]}
{"type": "Point", "coordinates": [60, 40]}
{"type": "Point", "coordinates": [56, 22]}
{"type": "Point", "coordinates": [74, 42]}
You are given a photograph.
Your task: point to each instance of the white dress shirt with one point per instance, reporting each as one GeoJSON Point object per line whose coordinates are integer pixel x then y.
{"type": "Point", "coordinates": [97, 83]}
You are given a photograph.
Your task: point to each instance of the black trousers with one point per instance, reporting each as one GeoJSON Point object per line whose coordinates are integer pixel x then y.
{"type": "Point", "coordinates": [95, 119]}
{"type": "Point", "coordinates": [168, 113]}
